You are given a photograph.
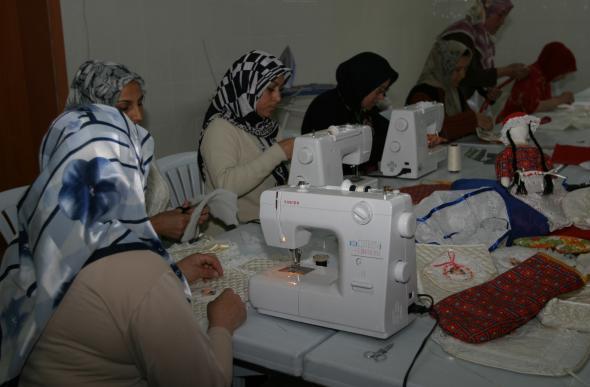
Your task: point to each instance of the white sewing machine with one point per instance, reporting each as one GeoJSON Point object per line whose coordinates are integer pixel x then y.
{"type": "Point", "coordinates": [374, 282]}
{"type": "Point", "coordinates": [406, 153]}
{"type": "Point", "coordinates": [318, 157]}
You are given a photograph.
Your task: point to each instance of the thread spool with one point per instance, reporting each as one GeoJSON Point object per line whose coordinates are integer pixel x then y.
{"type": "Point", "coordinates": [454, 158]}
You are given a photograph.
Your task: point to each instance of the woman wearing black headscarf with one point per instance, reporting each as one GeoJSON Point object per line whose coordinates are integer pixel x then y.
{"type": "Point", "coordinates": [362, 81]}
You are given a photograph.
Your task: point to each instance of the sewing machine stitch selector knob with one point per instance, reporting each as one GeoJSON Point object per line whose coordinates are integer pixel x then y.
{"type": "Point", "coordinates": [305, 155]}
{"type": "Point", "coordinates": [361, 213]}
{"type": "Point", "coordinates": [395, 146]}
{"type": "Point", "coordinates": [401, 272]}
{"type": "Point", "coordinates": [401, 125]}
{"type": "Point", "coordinates": [406, 224]}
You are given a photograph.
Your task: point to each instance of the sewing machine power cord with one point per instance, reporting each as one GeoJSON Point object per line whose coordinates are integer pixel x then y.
{"type": "Point", "coordinates": [421, 309]}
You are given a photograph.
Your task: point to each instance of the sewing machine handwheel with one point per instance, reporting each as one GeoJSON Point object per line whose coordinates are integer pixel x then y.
{"type": "Point", "coordinates": [406, 224]}
{"type": "Point", "coordinates": [401, 272]}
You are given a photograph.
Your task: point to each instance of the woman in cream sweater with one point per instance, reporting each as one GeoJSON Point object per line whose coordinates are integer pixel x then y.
{"type": "Point", "coordinates": [238, 148]}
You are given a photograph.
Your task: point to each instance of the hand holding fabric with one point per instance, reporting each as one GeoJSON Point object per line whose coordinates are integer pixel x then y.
{"type": "Point", "coordinates": [566, 97]}
{"type": "Point", "coordinates": [494, 93]}
{"type": "Point", "coordinates": [171, 224]}
{"type": "Point", "coordinates": [200, 266]}
{"type": "Point", "coordinates": [484, 121]}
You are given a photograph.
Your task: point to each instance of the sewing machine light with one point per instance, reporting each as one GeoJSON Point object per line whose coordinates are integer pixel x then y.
{"type": "Point", "coordinates": [283, 239]}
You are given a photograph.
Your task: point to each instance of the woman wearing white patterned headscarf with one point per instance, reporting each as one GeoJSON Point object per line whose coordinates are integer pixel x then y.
{"type": "Point", "coordinates": [238, 147]}
{"type": "Point", "coordinates": [87, 282]}
{"type": "Point", "coordinates": [439, 81]}
{"type": "Point", "coordinates": [115, 85]}
{"type": "Point", "coordinates": [483, 19]}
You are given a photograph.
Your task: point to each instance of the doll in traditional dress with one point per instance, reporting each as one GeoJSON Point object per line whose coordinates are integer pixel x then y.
{"type": "Point", "coordinates": [520, 156]}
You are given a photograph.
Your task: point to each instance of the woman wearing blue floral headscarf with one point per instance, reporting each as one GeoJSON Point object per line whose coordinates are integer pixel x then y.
{"type": "Point", "coordinates": [87, 282]}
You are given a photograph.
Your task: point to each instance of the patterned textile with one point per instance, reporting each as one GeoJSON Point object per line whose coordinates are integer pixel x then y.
{"type": "Point", "coordinates": [87, 203]}
{"type": "Point", "coordinates": [496, 308]}
{"type": "Point", "coordinates": [100, 82]}
{"type": "Point", "coordinates": [237, 95]}
{"type": "Point", "coordinates": [561, 244]}
{"type": "Point", "coordinates": [473, 26]}
{"type": "Point", "coordinates": [527, 159]}
{"type": "Point", "coordinates": [555, 60]}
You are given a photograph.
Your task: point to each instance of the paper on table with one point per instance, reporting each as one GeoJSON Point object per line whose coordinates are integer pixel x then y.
{"type": "Point", "coordinates": [222, 204]}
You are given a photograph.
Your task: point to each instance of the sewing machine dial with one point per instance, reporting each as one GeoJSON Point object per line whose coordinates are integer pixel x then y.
{"type": "Point", "coordinates": [305, 156]}
{"type": "Point", "coordinates": [406, 224]}
{"type": "Point", "coordinates": [362, 213]}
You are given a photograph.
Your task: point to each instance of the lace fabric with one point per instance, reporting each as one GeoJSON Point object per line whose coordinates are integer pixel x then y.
{"type": "Point", "coordinates": [531, 349]}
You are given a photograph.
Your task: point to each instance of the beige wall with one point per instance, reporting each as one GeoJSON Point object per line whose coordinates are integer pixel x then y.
{"type": "Point", "coordinates": [167, 42]}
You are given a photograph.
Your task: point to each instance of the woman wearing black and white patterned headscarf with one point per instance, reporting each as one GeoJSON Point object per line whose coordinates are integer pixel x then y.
{"type": "Point", "coordinates": [238, 147]}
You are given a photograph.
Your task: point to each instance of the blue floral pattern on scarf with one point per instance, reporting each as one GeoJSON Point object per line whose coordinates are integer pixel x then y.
{"type": "Point", "coordinates": [89, 190]}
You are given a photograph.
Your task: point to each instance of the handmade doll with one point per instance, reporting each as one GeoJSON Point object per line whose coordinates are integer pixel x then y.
{"type": "Point", "coordinates": [520, 159]}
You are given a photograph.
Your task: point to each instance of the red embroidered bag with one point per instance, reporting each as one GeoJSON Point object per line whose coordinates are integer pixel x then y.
{"type": "Point", "coordinates": [497, 307]}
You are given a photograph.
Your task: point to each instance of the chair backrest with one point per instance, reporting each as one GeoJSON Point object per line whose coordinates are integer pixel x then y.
{"type": "Point", "coordinates": [8, 217]}
{"type": "Point", "coordinates": [181, 171]}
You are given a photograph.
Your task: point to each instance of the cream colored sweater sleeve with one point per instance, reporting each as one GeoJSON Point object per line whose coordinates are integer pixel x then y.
{"type": "Point", "coordinates": [234, 160]}
{"type": "Point", "coordinates": [168, 344]}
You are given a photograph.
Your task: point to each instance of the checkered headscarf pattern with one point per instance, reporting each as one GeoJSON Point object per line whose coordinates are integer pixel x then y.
{"type": "Point", "coordinates": [237, 95]}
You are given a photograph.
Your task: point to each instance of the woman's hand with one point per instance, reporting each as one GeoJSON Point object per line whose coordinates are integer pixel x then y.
{"type": "Point", "coordinates": [200, 266]}
{"type": "Point", "coordinates": [227, 311]}
{"type": "Point", "coordinates": [287, 145]}
{"type": "Point", "coordinates": [171, 224]}
{"type": "Point", "coordinates": [484, 121]}
{"type": "Point", "coordinates": [493, 93]}
{"type": "Point", "coordinates": [434, 140]}
{"type": "Point", "coordinates": [566, 97]}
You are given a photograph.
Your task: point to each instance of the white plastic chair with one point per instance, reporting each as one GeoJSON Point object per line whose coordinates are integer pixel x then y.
{"type": "Point", "coordinates": [181, 171]}
{"type": "Point", "coordinates": [8, 216]}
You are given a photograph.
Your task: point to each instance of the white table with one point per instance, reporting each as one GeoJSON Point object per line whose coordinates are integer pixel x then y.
{"type": "Point", "coordinates": [339, 362]}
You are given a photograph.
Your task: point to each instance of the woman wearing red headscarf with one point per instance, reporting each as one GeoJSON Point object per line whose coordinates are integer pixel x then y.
{"type": "Point", "coordinates": [533, 94]}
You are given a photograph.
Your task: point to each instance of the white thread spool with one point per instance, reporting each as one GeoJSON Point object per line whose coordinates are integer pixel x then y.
{"type": "Point", "coordinates": [454, 158]}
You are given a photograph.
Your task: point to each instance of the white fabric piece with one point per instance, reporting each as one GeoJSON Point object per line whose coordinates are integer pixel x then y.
{"type": "Point", "coordinates": [444, 218]}
{"type": "Point", "coordinates": [576, 206]}
{"type": "Point", "coordinates": [223, 205]}
{"type": "Point", "coordinates": [430, 281]}
{"type": "Point", "coordinates": [548, 205]}
{"type": "Point", "coordinates": [531, 349]}
{"type": "Point", "coordinates": [571, 311]}
{"type": "Point", "coordinates": [505, 258]}
{"type": "Point", "coordinates": [576, 115]}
